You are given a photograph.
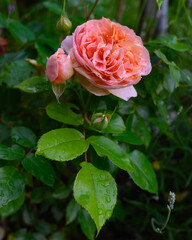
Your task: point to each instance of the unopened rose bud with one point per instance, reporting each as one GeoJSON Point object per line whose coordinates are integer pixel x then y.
{"type": "Point", "coordinates": [64, 25]}
{"type": "Point", "coordinates": [99, 121]}
{"type": "Point", "coordinates": [59, 67]}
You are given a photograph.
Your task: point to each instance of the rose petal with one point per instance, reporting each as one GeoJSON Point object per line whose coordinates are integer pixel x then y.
{"type": "Point", "coordinates": [67, 43]}
{"type": "Point", "coordinates": [52, 68]}
{"type": "Point", "coordinates": [90, 87]}
{"type": "Point", "coordinates": [124, 93]}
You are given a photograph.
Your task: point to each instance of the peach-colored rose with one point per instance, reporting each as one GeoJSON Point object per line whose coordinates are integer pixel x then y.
{"type": "Point", "coordinates": [107, 57]}
{"type": "Point", "coordinates": [59, 67]}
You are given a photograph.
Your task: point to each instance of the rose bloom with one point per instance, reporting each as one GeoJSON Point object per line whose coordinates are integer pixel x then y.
{"type": "Point", "coordinates": [59, 67]}
{"type": "Point", "coordinates": [107, 57]}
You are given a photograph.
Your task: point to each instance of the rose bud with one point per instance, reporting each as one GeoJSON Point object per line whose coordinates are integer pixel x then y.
{"type": "Point", "coordinates": [99, 121]}
{"type": "Point", "coordinates": [59, 67]}
{"type": "Point", "coordinates": [64, 25]}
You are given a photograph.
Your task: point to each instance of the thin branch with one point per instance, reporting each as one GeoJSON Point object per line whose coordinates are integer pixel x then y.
{"type": "Point", "coordinates": [86, 118]}
{"type": "Point", "coordinates": [84, 137]}
{"type": "Point", "coordinates": [92, 9]}
{"type": "Point", "coordinates": [120, 10]}
{"type": "Point", "coordinates": [85, 7]}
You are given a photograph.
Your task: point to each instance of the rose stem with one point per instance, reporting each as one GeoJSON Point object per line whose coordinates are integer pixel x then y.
{"type": "Point", "coordinates": [92, 9]}
{"type": "Point", "coordinates": [85, 7]}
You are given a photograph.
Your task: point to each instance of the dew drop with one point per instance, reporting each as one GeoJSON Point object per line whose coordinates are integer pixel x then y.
{"type": "Point", "coordinates": [107, 191]}
{"type": "Point", "coordinates": [106, 184]}
{"type": "Point", "coordinates": [108, 214]}
{"type": "Point", "coordinates": [112, 206]}
{"type": "Point", "coordinates": [102, 176]}
{"type": "Point", "coordinates": [100, 211]}
{"type": "Point", "coordinates": [108, 198]}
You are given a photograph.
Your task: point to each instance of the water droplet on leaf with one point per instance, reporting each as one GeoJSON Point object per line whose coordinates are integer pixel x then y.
{"type": "Point", "coordinates": [108, 198]}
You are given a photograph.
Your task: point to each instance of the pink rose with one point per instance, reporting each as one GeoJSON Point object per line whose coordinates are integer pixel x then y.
{"type": "Point", "coordinates": [107, 57]}
{"type": "Point", "coordinates": [59, 67]}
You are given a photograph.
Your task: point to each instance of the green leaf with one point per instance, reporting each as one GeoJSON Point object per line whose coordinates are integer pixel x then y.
{"type": "Point", "coordinates": [11, 153]}
{"type": "Point", "coordinates": [168, 83]}
{"type": "Point", "coordinates": [106, 147]}
{"type": "Point", "coordinates": [11, 185]}
{"type": "Point", "coordinates": [20, 32]}
{"type": "Point", "coordinates": [64, 113]}
{"type": "Point", "coordinates": [38, 194]}
{"type": "Point", "coordinates": [61, 192]}
{"type": "Point", "coordinates": [58, 236]}
{"type": "Point", "coordinates": [29, 216]}
{"type": "Point", "coordinates": [141, 130]}
{"type": "Point", "coordinates": [96, 191]}
{"type": "Point", "coordinates": [143, 175]}
{"type": "Point", "coordinates": [38, 236]}
{"type": "Point", "coordinates": [164, 58]}
{"type": "Point", "coordinates": [23, 136]}
{"type": "Point", "coordinates": [22, 234]}
{"type": "Point", "coordinates": [163, 127]}
{"type": "Point", "coordinates": [62, 144]}
{"type": "Point", "coordinates": [87, 225]}
{"type": "Point", "coordinates": [39, 168]}
{"type": "Point", "coordinates": [53, 7]}
{"type": "Point", "coordinates": [16, 72]}
{"type": "Point", "coordinates": [162, 108]}
{"type": "Point", "coordinates": [159, 3]}
{"type": "Point", "coordinates": [129, 137]}
{"type": "Point", "coordinates": [2, 20]}
{"type": "Point", "coordinates": [172, 42]}
{"type": "Point", "coordinates": [4, 132]}
{"type": "Point", "coordinates": [71, 211]}
{"type": "Point", "coordinates": [176, 75]}
{"type": "Point", "coordinates": [12, 206]}
{"type": "Point", "coordinates": [43, 50]}
{"type": "Point", "coordinates": [34, 84]}
{"type": "Point", "coordinates": [116, 125]}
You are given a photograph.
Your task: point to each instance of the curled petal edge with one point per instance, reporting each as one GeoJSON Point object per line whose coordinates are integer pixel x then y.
{"type": "Point", "coordinates": [124, 93]}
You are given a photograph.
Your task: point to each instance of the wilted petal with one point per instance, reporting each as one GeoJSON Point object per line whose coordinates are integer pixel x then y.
{"type": "Point", "coordinates": [124, 93]}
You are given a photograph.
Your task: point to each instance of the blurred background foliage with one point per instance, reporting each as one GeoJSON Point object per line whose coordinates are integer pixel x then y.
{"type": "Point", "coordinates": [158, 121]}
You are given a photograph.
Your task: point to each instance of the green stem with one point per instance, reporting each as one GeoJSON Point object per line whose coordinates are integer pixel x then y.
{"type": "Point", "coordinates": [64, 7]}
{"type": "Point", "coordinates": [82, 98]}
{"type": "Point", "coordinates": [160, 230]}
{"type": "Point", "coordinates": [167, 220]}
{"type": "Point", "coordinates": [187, 13]}
{"type": "Point", "coordinates": [92, 9]}
{"type": "Point", "coordinates": [85, 7]}
{"type": "Point", "coordinates": [88, 100]}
